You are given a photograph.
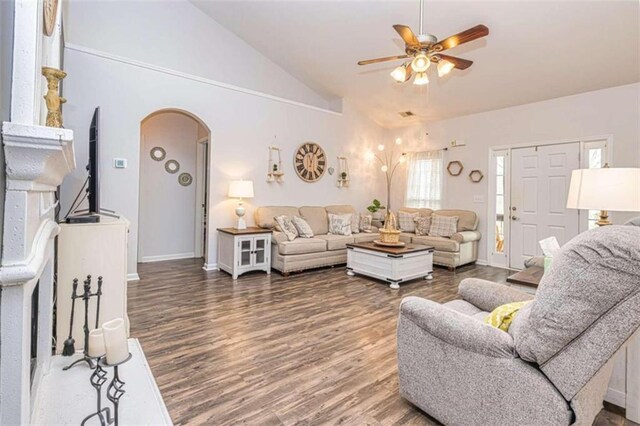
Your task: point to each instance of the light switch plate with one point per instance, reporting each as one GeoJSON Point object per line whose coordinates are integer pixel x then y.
{"type": "Point", "coordinates": [478, 199]}
{"type": "Point", "coordinates": [120, 163]}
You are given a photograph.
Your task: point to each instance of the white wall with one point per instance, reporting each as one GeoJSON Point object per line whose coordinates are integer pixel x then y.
{"type": "Point", "coordinates": [167, 209]}
{"type": "Point", "coordinates": [177, 35]}
{"type": "Point", "coordinates": [242, 126]}
{"type": "Point", "coordinates": [613, 111]}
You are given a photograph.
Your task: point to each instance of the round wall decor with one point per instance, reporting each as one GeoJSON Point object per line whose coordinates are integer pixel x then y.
{"type": "Point", "coordinates": [310, 162]}
{"type": "Point", "coordinates": [158, 153]}
{"type": "Point", "coordinates": [455, 168]}
{"type": "Point", "coordinates": [172, 166]}
{"type": "Point", "coordinates": [185, 179]}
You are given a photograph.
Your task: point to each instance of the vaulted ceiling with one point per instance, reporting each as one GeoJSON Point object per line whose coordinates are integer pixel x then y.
{"type": "Point", "coordinates": [535, 50]}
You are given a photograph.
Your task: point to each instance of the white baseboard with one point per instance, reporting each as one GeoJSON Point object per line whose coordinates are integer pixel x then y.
{"type": "Point", "coordinates": [133, 277]}
{"type": "Point", "coordinates": [481, 262]}
{"type": "Point", "coordinates": [616, 397]}
{"type": "Point", "coordinates": [163, 257]}
{"type": "Point", "coordinates": [210, 267]}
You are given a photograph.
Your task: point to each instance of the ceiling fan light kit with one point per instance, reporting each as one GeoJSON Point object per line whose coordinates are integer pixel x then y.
{"type": "Point", "coordinates": [425, 48]}
{"type": "Point", "coordinates": [421, 79]}
{"type": "Point", "coordinates": [444, 67]}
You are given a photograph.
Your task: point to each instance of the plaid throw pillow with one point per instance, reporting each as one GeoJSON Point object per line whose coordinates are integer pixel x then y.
{"type": "Point", "coordinates": [443, 226]}
{"type": "Point", "coordinates": [355, 223]}
{"type": "Point", "coordinates": [405, 221]}
{"type": "Point", "coordinates": [422, 225]}
{"type": "Point", "coordinates": [365, 222]}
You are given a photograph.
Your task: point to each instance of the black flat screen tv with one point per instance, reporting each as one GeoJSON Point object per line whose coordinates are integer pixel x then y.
{"type": "Point", "coordinates": [93, 166]}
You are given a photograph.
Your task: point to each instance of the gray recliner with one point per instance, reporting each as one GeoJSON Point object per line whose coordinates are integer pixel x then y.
{"type": "Point", "coordinates": [553, 366]}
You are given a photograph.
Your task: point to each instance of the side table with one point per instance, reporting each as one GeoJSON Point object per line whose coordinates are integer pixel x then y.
{"type": "Point", "coordinates": [244, 250]}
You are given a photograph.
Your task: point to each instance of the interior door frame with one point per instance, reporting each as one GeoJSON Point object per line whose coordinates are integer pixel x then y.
{"type": "Point", "coordinates": [491, 209]}
{"type": "Point", "coordinates": [202, 169]}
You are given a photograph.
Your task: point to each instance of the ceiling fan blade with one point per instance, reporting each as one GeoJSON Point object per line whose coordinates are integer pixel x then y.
{"type": "Point", "coordinates": [388, 58]}
{"type": "Point", "coordinates": [407, 35]}
{"type": "Point", "coordinates": [464, 37]}
{"type": "Point", "coordinates": [461, 64]}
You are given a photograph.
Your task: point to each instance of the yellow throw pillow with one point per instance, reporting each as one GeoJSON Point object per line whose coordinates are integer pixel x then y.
{"type": "Point", "coordinates": [502, 316]}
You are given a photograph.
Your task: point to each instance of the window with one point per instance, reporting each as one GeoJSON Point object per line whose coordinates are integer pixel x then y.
{"type": "Point", "coordinates": [594, 158]}
{"type": "Point", "coordinates": [425, 180]}
{"type": "Point", "coordinates": [499, 219]}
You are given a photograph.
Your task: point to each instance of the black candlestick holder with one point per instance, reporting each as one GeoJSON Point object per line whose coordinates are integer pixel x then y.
{"type": "Point", "coordinates": [115, 390]}
{"type": "Point", "coordinates": [98, 378]}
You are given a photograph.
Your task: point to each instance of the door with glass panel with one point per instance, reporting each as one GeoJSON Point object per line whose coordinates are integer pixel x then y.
{"type": "Point", "coordinates": [540, 178]}
{"type": "Point", "coordinates": [245, 251]}
{"type": "Point", "coordinates": [260, 254]}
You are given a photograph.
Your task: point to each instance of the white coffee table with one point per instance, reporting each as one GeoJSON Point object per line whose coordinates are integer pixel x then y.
{"type": "Point", "coordinates": [391, 264]}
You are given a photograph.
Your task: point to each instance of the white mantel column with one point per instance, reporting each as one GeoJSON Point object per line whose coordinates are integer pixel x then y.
{"type": "Point", "coordinates": [37, 159]}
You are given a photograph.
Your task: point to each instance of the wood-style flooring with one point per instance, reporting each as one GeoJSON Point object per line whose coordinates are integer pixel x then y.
{"type": "Point", "coordinates": [315, 348]}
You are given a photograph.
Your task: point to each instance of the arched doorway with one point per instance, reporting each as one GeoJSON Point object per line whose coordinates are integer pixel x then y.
{"type": "Point", "coordinates": [174, 151]}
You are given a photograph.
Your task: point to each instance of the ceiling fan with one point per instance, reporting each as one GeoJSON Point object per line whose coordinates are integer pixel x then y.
{"type": "Point", "coordinates": [425, 48]}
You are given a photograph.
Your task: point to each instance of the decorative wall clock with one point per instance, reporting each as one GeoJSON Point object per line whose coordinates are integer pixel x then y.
{"type": "Point", "coordinates": [50, 13]}
{"type": "Point", "coordinates": [310, 162]}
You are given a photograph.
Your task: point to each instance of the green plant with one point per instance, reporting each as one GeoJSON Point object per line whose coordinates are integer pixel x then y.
{"type": "Point", "coordinates": [375, 206]}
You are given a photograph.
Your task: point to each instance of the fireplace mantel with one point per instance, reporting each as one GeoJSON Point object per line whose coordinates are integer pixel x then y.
{"type": "Point", "coordinates": [37, 157]}
{"type": "Point", "coordinates": [37, 160]}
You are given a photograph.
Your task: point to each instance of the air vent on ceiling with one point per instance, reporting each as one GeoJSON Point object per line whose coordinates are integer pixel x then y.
{"type": "Point", "coordinates": [406, 114]}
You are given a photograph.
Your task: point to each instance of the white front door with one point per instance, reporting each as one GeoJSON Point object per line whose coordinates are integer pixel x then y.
{"type": "Point", "coordinates": [540, 179]}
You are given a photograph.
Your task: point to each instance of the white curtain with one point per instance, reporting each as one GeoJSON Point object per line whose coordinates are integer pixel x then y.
{"type": "Point", "coordinates": [425, 177]}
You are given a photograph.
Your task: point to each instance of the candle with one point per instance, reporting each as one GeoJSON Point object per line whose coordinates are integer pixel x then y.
{"type": "Point", "coordinates": [96, 343]}
{"type": "Point", "coordinates": [115, 341]}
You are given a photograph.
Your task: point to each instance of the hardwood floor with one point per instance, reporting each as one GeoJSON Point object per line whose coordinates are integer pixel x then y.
{"type": "Point", "coordinates": [315, 348]}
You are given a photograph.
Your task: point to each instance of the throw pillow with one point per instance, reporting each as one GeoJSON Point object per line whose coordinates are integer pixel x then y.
{"type": "Point", "coordinates": [303, 228]}
{"type": "Point", "coordinates": [340, 224]}
{"type": "Point", "coordinates": [443, 226]}
{"type": "Point", "coordinates": [365, 222]}
{"type": "Point", "coordinates": [286, 226]}
{"type": "Point", "coordinates": [422, 225]}
{"type": "Point", "coordinates": [502, 316]}
{"type": "Point", "coordinates": [355, 223]}
{"type": "Point", "coordinates": [405, 221]}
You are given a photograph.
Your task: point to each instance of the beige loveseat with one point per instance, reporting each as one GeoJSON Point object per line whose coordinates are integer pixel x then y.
{"type": "Point", "coordinates": [323, 249]}
{"type": "Point", "coordinates": [460, 249]}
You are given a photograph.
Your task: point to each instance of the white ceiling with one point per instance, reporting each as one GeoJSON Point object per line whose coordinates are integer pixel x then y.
{"type": "Point", "coordinates": [535, 50]}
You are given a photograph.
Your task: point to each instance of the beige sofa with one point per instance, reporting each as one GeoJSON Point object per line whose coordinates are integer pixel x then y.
{"type": "Point", "coordinates": [460, 249]}
{"type": "Point", "coordinates": [323, 249]}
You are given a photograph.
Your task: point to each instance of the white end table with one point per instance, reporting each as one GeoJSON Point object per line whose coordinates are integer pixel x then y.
{"type": "Point", "coordinates": [244, 250]}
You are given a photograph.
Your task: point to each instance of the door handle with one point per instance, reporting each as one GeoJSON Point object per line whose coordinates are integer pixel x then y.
{"type": "Point", "coordinates": [514, 218]}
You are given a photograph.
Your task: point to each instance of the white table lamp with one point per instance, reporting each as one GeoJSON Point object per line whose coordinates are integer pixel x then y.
{"type": "Point", "coordinates": [240, 189]}
{"type": "Point", "coordinates": [605, 189]}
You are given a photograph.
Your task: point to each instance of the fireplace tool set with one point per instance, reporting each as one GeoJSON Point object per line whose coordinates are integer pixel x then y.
{"type": "Point", "coordinates": [69, 344]}
{"type": "Point", "coordinates": [96, 354]}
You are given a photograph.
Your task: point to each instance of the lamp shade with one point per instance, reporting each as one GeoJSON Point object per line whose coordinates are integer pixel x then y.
{"type": "Point", "coordinates": [241, 189]}
{"type": "Point", "coordinates": [613, 189]}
